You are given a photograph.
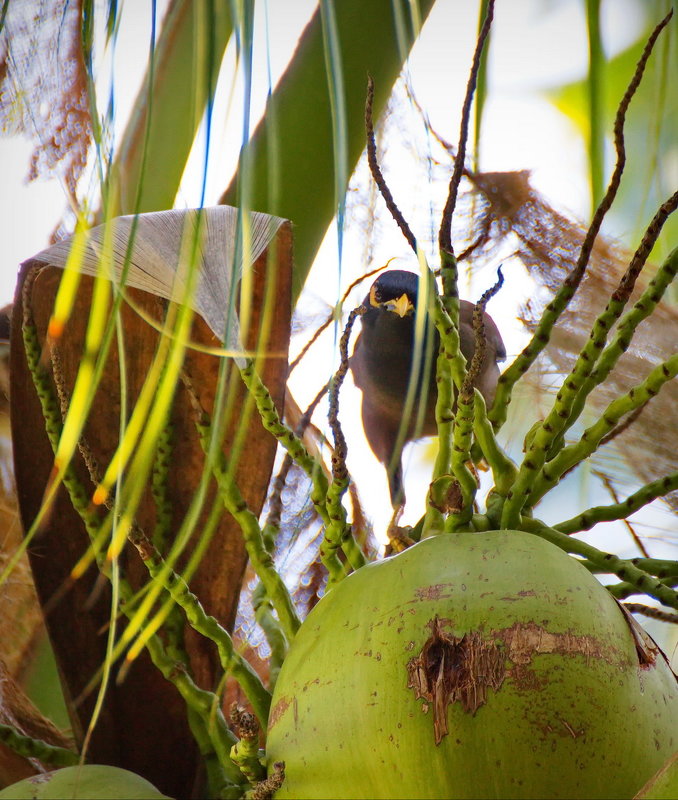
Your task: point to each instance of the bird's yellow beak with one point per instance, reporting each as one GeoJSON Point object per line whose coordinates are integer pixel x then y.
{"type": "Point", "coordinates": [402, 306]}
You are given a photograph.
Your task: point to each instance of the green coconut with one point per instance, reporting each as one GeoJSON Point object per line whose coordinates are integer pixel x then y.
{"type": "Point", "coordinates": [663, 785]}
{"type": "Point", "coordinates": [89, 782]}
{"type": "Point", "coordinates": [485, 665]}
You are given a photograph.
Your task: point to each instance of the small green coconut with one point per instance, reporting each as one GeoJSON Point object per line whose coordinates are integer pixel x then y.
{"type": "Point", "coordinates": [89, 782]}
{"type": "Point", "coordinates": [485, 665]}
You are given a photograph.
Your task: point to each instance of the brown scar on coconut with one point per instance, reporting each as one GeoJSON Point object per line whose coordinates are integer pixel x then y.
{"type": "Point", "coordinates": [452, 669]}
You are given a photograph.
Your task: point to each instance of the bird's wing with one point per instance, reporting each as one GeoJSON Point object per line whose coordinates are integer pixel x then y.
{"type": "Point", "coordinates": [357, 365]}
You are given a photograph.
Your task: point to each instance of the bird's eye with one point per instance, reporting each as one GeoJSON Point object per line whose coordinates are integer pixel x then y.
{"type": "Point", "coordinates": [378, 295]}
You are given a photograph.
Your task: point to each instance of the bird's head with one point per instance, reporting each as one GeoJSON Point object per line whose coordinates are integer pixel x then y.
{"type": "Point", "coordinates": [394, 291]}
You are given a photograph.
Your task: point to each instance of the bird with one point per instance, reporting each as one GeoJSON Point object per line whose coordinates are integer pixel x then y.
{"type": "Point", "coordinates": [382, 368]}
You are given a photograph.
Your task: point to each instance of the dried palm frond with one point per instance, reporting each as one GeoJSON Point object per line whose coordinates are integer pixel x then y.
{"type": "Point", "coordinates": [43, 86]}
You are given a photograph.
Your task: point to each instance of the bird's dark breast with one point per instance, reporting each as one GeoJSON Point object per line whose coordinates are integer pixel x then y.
{"type": "Point", "coordinates": [382, 369]}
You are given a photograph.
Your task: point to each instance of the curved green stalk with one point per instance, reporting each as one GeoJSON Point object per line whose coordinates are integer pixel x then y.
{"type": "Point", "coordinates": [644, 582]}
{"type": "Point", "coordinates": [522, 492]}
{"type": "Point", "coordinates": [338, 532]}
{"type": "Point", "coordinates": [206, 706]}
{"type": "Point", "coordinates": [28, 747]}
{"type": "Point", "coordinates": [435, 502]}
{"type": "Point", "coordinates": [503, 469]}
{"type": "Point", "coordinates": [245, 753]}
{"type": "Point", "coordinates": [594, 86]}
{"type": "Point", "coordinates": [540, 338]}
{"type": "Point", "coordinates": [661, 568]}
{"type": "Point", "coordinates": [554, 424]}
{"type": "Point", "coordinates": [450, 373]}
{"type": "Point", "coordinates": [574, 454]}
{"type": "Point", "coordinates": [626, 328]}
{"type": "Point", "coordinates": [231, 661]}
{"type": "Point", "coordinates": [461, 455]}
{"type": "Point", "coordinates": [622, 590]}
{"type": "Point", "coordinates": [263, 609]}
{"type": "Point", "coordinates": [160, 487]}
{"type": "Point", "coordinates": [592, 516]}
{"type": "Point", "coordinates": [260, 558]}
{"type": "Point", "coordinates": [334, 531]}
{"type": "Point", "coordinates": [286, 436]}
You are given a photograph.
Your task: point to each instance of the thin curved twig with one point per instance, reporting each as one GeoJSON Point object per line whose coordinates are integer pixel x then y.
{"type": "Point", "coordinates": [445, 234]}
{"type": "Point", "coordinates": [377, 174]}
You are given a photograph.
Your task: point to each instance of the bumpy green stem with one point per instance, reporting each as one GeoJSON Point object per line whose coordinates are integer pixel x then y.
{"type": "Point", "coordinates": [579, 383]}
{"type": "Point", "coordinates": [641, 309]}
{"type": "Point", "coordinates": [535, 480]}
{"type": "Point", "coordinates": [558, 418]}
{"type": "Point", "coordinates": [574, 454]}
{"type": "Point", "coordinates": [160, 488]}
{"type": "Point", "coordinates": [503, 469]}
{"type": "Point", "coordinates": [661, 568]}
{"type": "Point", "coordinates": [246, 755]}
{"type": "Point", "coordinates": [51, 412]}
{"type": "Point", "coordinates": [592, 516]}
{"type": "Point", "coordinates": [644, 306]}
{"type": "Point", "coordinates": [467, 410]}
{"type": "Point", "coordinates": [217, 782]}
{"type": "Point", "coordinates": [449, 273]}
{"type": "Point", "coordinates": [334, 532]}
{"type": "Point", "coordinates": [606, 562]}
{"type": "Point", "coordinates": [449, 339]}
{"type": "Point", "coordinates": [28, 747]}
{"type": "Point", "coordinates": [231, 661]}
{"type": "Point", "coordinates": [450, 372]}
{"type": "Point", "coordinates": [461, 455]}
{"type": "Point", "coordinates": [179, 591]}
{"type": "Point", "coordinates": [205, 704]}
{"type": "Point", "coordinates": [260, 558]}
{"type": "Point", "coordinates": [522, 363]}
{"type": "Point", "coordinates": [292, 444]}
{"type": "Point", "coordinates": [436, 501]}
{"type": "Point", "coordinates": [263, 609]}
{"type": "Point", "coordinates": [623, 589]}
{"type": "Point", "coordinates": [338, 532]}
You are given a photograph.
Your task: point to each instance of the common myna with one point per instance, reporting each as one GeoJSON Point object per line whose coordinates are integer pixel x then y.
{"type": "Point", "coordinates": [382, 363]}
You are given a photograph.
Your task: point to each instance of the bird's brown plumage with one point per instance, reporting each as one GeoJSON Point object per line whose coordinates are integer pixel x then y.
{"type": "Point", "coordinates": [382, 367]}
